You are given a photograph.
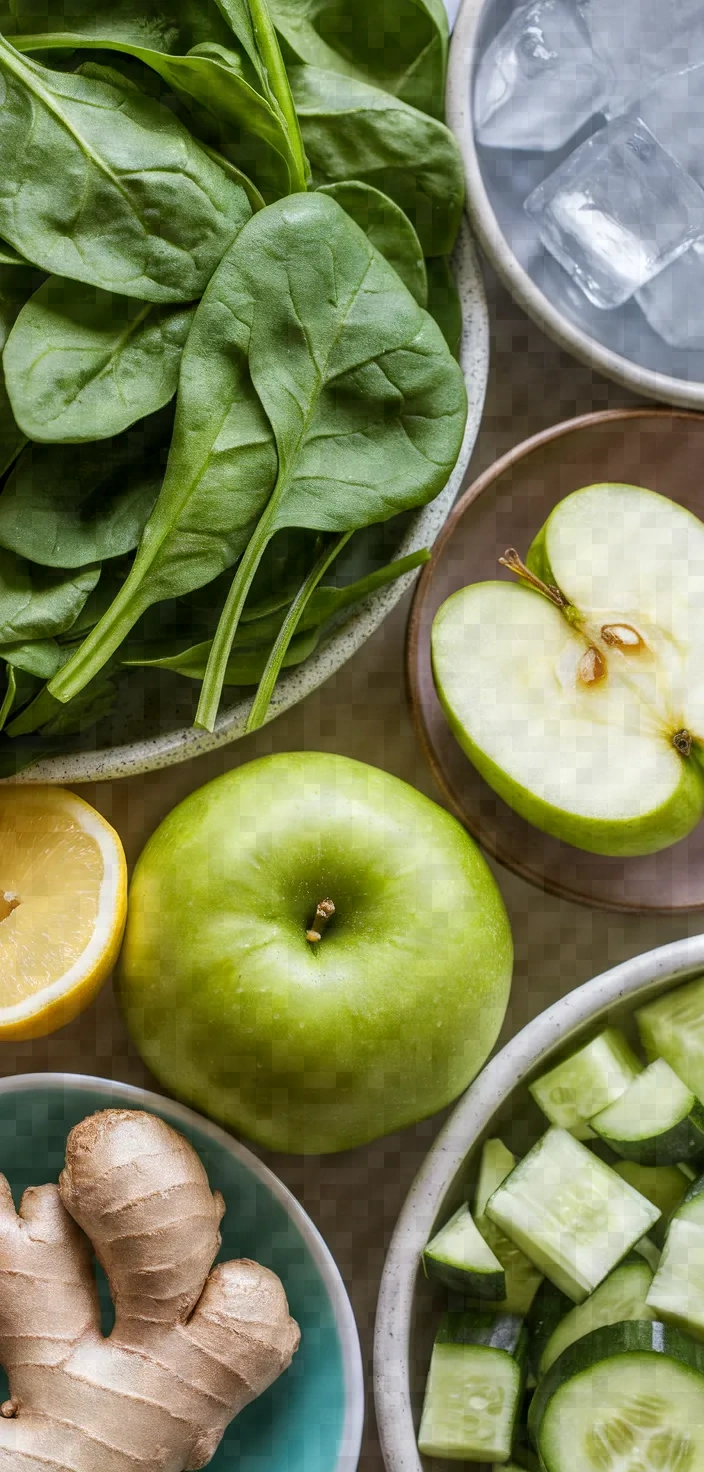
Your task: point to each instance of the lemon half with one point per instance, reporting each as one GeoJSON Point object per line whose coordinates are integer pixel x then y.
{"type": "Point", "coordinates": [63, 904]}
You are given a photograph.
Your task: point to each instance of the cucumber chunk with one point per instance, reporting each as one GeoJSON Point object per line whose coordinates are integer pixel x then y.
{"type": "Point", "coordinates": [628, 1398]}
{"type": "Point", "coordinates": [677, 1292]}
{"type": "Point", "coordinates": [622, 1296]}
{"type": "Point", "coordinates": [474, 1388]}
{"type": "Point", "coordinates": [522, 1278]}
{"type": "Point", "coordinates": [657, 1121]}
{"type": "Point", "coordinates": [458, 1256]}
{"type": "Point", "coordinates": [586, 1082]}
{"type": "Point", "coordinates": [570, 1213]}
{"type": "Point", "coordinates": [663, 1185]}
{"type": "Point", "coordinates": [673, 1028]}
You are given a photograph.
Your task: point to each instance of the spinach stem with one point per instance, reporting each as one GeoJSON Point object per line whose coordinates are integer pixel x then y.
{"type": "Point", "coordinates": [262, 699]}
{"type": "Point", "coordinates": [216, 668]}
{"type": "Point", "coordinates": [268, 43]}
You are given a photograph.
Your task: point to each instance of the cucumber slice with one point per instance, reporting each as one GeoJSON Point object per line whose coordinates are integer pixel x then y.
{"type": "Point", "coordinates": [677, 1292]}
{"type": "Point", "coordinates": [570, 1213]}
{"type": "Point", "coordinates": [459, 1257]}
{"type": "Point", "coordinates": [622, 1296]}
{"type": "Point", "coordinates": [663, 1185]}
{"type": "Point", "coordinates": [586, 1082]}
{"type": "Point", "coordinates": [657, 1121]}
{"type": "Point", "coordinates": [673, 1028]}
{"type": "Point", "coordinates": [474, 1388]}
{"type": "Point", "coordinates": [522, 1278]}
{"type": "Point", "coordinates": [627, 1398]}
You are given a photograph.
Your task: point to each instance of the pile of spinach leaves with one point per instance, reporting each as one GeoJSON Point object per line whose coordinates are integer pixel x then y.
{"type": "Point", "coordinates": [228, 327]}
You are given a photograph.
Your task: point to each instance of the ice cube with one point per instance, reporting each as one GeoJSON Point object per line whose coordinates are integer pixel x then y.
{"type": "Point", "coordinates": [636, 41]}
{"type": "Point", "coordinates": [617, 211]}
{"type": "Point", "coordinates": [537, 83]}
{"type": "Point", "coordinates": [674, 301]}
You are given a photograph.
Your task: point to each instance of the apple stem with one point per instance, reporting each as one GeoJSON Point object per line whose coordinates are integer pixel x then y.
{"type": "Point", "coordinates": [682, 741]}
{"type": "Point", "coordinates": [514, 563]}
{"type": "Point", "coordinates": [324, 912]}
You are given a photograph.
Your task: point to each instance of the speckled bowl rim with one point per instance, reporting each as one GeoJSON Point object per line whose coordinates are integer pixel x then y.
{"type": "Point", "coordinates": [644, 381]}
{"type": "Point", "coordinates": [638, 977]}
{"type": "Point", "coordinates": [130, 1096]}
{"type": "Point", "coordinates": [182, 744]}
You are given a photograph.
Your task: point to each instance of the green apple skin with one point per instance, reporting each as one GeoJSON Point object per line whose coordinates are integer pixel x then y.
{"type": "Point", "coordinates": [649, 833]}
{"type": "Point", "coordinates": [307, 1047]}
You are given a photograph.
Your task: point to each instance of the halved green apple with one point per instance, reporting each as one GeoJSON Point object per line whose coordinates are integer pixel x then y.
{"type": "Point", "coordinates": [578, 692]}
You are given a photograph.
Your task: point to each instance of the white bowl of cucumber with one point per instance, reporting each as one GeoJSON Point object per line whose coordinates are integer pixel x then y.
{"type": "Point", "coordinates": [563, 1311]}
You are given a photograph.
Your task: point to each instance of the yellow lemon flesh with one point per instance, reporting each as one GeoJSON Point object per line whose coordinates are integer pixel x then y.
{"type": "Point", "coordinates": [63, 904]}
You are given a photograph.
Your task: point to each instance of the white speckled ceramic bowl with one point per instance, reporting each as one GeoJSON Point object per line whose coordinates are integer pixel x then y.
{"type": "Point", "coordinates": [152, 727]}
{"type": "Point", "coordinates": [550, 307]}
{"type": "Point", "coordinates": [497, 1102]}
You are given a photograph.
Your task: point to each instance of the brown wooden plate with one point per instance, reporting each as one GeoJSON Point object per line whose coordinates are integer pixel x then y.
{"type": "Point", "coordinates": [505, 507]}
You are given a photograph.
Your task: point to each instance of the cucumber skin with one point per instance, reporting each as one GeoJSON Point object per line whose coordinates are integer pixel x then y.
{"type": "Point", "coordinates": [493, 1331]}
{"type": "Point", "coordinates": [490, 1287]}
{"type": "Point", "coordinates": [637, 1336]}
{"type": "Point", "coordinates": [549, 1307]}
{"type": "Point", "coordinates": [684, 1142]}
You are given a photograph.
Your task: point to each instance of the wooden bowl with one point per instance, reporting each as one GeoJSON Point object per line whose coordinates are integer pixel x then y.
{"type": "Point", "coordinates": [506, 506]}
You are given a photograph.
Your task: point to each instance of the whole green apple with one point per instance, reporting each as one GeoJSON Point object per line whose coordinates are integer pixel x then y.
{"type": "Point", "coordinates": [310, 1029]}
{"type": "Point", "coordinates": [578, 692]}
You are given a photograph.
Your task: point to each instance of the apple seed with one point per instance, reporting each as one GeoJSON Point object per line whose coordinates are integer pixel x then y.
{"type": "Point", "coordinates": [8, 903]}
{"type": "Point", "coordinates": [622, 636]}
{"type": "Point", "coordinates": [591, 667]}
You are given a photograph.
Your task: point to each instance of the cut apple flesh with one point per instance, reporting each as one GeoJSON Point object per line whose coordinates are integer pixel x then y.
{"type": "Point", "coordinates": [588, 718]}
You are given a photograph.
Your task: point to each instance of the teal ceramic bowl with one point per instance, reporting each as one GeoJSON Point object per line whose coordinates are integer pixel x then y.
{"type": "Point", "coordinates": [310, 1420]}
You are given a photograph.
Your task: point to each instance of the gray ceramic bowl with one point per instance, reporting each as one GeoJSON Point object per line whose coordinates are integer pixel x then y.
{"type": "Point", "coordinates": [153, 726]}
{"type": "Point", "coordinates": [497, 1103]}
{"type": "Point", "coordinates": [550, 307]}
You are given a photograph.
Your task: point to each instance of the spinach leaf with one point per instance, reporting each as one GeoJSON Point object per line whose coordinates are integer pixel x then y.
{"type": "Point", "coordinates": [83, 364]}
{"type": "Point", "coordinates": [366, 405]}
{"type": "Point", "coordinates": [9, 257]}
{"type": "Point", "coordinates": [352, 131]}
{"type": "Point", "coordinates": [251, 653]}
{"type": "Point", "coordinates": [7, 700]}
{"type": "Point", "coordinates": [444, 301]}
{"type": "Point", "coordinates": [36, 603]}
{"type": "Point", "coordinates": [398, 45]}
{"type": "Point", "coordinates": [245, 666]}
{"type": "Point", "coordinates": [69, 506]}
{"type": "Point", "coordinates": [16, 287]}
{"type": "Point", "coordinates": [219, 476]}
{"type": "Point", "coordinates": [388, 229]}
{"type": "Point", "coordinates": [40, 657]}
{"type": "Point", "coordinates": [256, 200]}
{"type": "Point", "coordinates": [103, 184]}
{"type": "Point", "coordinates": [184, 23]}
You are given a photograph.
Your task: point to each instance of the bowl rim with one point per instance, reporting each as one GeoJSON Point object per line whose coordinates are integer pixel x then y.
{"type": "Point", "coordinates": [135, 1097]}
{"type": "Point", "coordinates": [573, 339]}
{"type": "Point", "coordinates": [545, 1034]}
{"type": "Point", "coordinates": [184, 743]}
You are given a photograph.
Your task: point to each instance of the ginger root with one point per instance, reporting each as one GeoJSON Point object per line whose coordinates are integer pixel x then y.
{"type": "Point", "coordinates": [192, 1344]}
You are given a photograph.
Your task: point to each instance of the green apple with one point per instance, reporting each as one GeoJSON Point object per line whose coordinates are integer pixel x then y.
{"type": "Point", "coordinates": [315, 953]}
{"type": "Point", "coordinates": [578, 692]}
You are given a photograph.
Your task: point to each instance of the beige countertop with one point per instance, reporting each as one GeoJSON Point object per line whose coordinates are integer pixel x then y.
{"type": "Point", "coordinates": [362, 712]}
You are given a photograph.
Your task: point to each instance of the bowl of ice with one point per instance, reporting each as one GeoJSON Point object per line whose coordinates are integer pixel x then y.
{"type": "Point", "coordinates": [581, 124]}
